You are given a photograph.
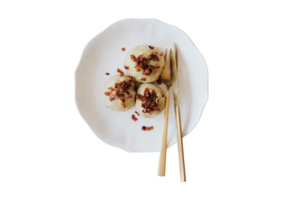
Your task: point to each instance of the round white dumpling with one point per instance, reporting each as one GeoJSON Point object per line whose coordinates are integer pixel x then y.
{"type": "Point", "coordinates": [144, 63]}
{"type": "Point", "coordinates": [124, 91]}
{"type": "Point", "coordinates": [150, 94]}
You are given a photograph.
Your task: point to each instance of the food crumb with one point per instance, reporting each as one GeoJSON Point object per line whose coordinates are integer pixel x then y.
{"type": "Point", "coordinates": [137, 113]}
{"type": "Point", "coordinates": [121, 72]}
{"type": "Point", "coordinates": [107, 74]}
{"type": "Point", "coordinates": [123, 49]}
{"type": "Point", "coordinates": [134, 118]}
{"type": "Point", "coordinates": [144, 128]}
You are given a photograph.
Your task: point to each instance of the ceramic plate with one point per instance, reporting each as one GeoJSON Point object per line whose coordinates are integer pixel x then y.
{"type": "Point", "coordinates": [103, 54]}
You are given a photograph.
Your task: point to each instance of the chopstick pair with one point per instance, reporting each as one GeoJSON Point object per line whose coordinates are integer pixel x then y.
{"type": "Point", "coordinates": [162, 157]}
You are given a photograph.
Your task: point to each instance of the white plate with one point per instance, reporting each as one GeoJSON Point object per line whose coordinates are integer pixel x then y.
{"type": "Point", "coordinates": [103, 54]}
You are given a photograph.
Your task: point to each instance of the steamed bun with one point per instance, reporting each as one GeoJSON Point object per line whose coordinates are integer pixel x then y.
{"type": "Point", "coordinates": [150, 100]}
{"type": "Point", "coordinates": [120, 93]}
{"type": "Point", "coordinates": [145, 63]}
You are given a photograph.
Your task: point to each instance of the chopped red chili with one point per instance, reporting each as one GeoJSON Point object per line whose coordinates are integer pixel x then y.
{"type": "Point", "coordinates": [137, 113]}
{"type": "Point", "coordinates": [133, 57]}
{"type": "Point", "coordinates": [123, 49]}
{"type": "Point", "coordinates": [126, 67]}
{"type": "Point", "coordinates": [121, 72]}
{"type": "Point", "coordinates": [161, 54]}
{"type": "Point", "coordinates": [107, 73]}
{"type": "Point", "coordinates": [107, 93]}
{"type": "Point", "coordinates": [143, 79]}
{"type": "Point", "coordinates": [150, 47]}
{"type": "Point", "coordinates": [153, 56]}
{"type": "Point", "coordinates": [134, 118]}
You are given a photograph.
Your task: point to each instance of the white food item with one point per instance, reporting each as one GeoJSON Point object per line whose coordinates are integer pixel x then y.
{"type": "Point", "coordinates": [116, 104]}
{"type": "Point", "coordinates": [159, 94]}
{"type": "Point", "coordinates": [146, 52]}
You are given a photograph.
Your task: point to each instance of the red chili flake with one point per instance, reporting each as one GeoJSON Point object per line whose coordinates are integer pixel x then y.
{"type": "Point", "coordinates": [122, 99]}
{"type": "Point", "coordinates": [161, 54]}
{"type": "Point", "coordinates": [131, 79]}
{"type": "Point", "coordinates": [159, 80]}
{"type": "Point", "coordinates": [120, 94]}
{"type": "Point", "coordinates": [137, 113]}
{"type": "Point", "coordinates": [143, 79]}
{"type": "Point", "coordinates": [121, 72]}
{"type": "Point", "coordinates": [134, 118]}
{"type": "Point", "coordinates": [153, 56]}
{"type": "Point", "coordinates": [107, 93]}
{"type": "Point", "coordinates": [107, 74]}
{"type": "Point", "coordinates": [124, 105]}
{"type": "Point", "coordinates": [144, 128]}
{"type": "Point", "coordinates": [123, 49]}
{"type": "Point", "coordinates": [126, 67]}
{"type": "Point", "coordinates": [150, 47]}
{"type": "Point", "coordinates": [146, 91]}
{"type": "Point", "coordinates": [133, 57]}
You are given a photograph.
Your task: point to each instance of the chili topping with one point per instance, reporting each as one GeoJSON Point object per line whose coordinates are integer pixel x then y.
{"type": "Point", "coordinates": [142, 63]}
{"type": "Point", "coordinates": [119, 91]}
{"type": "Point", "coordinates": [149, 101]}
